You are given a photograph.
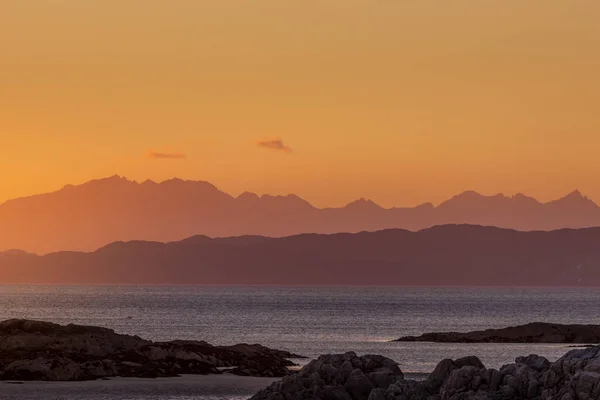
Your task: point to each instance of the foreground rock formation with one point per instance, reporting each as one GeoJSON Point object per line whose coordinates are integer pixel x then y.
{"type": "Point", "coordinates": [576, 376]}
{"type": "Point", "coordinates": [34, 350]}
{"type": "Point", "coordinates": [537, 332]}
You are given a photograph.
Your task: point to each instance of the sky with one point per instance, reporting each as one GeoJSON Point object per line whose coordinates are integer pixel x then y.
{"type": "Point", "coordinates": [402, 102]}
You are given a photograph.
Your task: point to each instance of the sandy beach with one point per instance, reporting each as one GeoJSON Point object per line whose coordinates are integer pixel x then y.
{"type": "Point", "coordinates": [188, 387]}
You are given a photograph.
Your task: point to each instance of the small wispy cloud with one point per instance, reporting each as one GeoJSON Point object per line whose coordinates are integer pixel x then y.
{"type": "Point", "coordinates": [157, 155]}
{"type": "Point", "coordinates": [274, 144]}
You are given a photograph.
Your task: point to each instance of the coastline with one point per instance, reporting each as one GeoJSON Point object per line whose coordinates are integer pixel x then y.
{"type": "Point", "coordinates": [311, 321]}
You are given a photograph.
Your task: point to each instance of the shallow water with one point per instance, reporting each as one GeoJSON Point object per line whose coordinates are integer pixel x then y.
{"type": "Point", "coordinates": [313, 320]}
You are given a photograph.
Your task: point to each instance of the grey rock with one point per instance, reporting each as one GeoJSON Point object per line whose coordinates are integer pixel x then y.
{"type": "Point", "coordinates": [382, 378]}
{"type": "Point", "coordinates": [378, 394]}
{"type": "Point", "coordinates": [461, 379]}
{"type": "Point", "coordinates": [358, 385]}
{"type": "Point", "coordinates": [445, 368]}
{"type": "Point", "coordinates": [532, 389]}
{"type": "Point", "coordinates": [587, 383]}
{"type": "Point", "coordinates": [535, 362]}
{"type": "Point", "coordinates": [335, 393]}
{"type": "Point", "coordinates": [494, 377]}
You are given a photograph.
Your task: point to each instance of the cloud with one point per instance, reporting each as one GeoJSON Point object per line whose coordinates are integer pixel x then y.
{"type": "Point", "coordinates": [274, 144]}
{"type": "Point", "coordinates": [155, 155]}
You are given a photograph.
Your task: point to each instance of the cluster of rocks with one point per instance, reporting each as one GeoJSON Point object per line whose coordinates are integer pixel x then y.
{"type": "Point", "coordinates": [576, 376]}
{"type": "Point", "coordinates": [35, 350]}
{"type": "Point", "coordinates": [339, 376]}
{"type": "Point", "coordinates": [535, 332]}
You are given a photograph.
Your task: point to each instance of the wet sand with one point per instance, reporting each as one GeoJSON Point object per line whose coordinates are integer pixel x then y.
{"type": "Point", "coordinates": [188, 387]}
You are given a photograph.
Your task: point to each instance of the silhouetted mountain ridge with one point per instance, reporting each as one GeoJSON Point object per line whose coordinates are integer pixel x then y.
{"type": "Point", "coordinates": [448, 255]}
{"type": "Point", "coordinates": [87, 216]}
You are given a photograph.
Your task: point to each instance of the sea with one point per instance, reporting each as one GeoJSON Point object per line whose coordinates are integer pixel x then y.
{"type": "Point", "coordinates": [304, 320]}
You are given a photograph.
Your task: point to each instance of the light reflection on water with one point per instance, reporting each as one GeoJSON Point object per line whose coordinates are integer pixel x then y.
{"type": "Point", "coordinates": [313, 320]}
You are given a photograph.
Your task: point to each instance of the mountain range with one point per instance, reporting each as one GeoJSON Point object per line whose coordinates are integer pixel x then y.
{"type": "Point", "coordinates": [90, 215]}
{"type": "Point", "coordinates": [461, 255]}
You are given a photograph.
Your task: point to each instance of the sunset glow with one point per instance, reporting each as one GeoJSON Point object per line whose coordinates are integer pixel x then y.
{"type": "Point", "coordinates": [398, 101]}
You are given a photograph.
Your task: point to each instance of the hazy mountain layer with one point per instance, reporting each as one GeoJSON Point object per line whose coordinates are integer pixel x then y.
{"type": "Point", "coordinates": [98, 212]}
{"type": "Point", "coordinates": [443, 255]}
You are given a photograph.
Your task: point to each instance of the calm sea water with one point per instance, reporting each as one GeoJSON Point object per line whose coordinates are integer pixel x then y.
{"type": "Point", "coordinates": [309, 320]}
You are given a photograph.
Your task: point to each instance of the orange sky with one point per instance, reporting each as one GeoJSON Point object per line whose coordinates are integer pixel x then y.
{"type": "Point", "coordinates": [398, 101]}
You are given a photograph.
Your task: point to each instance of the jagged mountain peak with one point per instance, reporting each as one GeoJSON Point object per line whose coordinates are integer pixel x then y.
{"type": "Point", "coordinates": [181, 182]}
{"type": "Point", "coordinates": [575, 199]}
{"type": "Point", "coordinates": [363, 204]}
{"type": "Point", "coordinates": [520, 199]}
{"type": "Point", "coordinates": [576, 195]}
{"type": "Point", "coordinates": [248, 196]}
{"type": "Point", "coordinates": [471, 198]}
{"type": "Point", "coordinates": [111, 179]}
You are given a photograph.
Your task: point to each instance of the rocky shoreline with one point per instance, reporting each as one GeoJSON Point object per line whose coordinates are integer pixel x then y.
{"type": "Point", "coordinates": [576, 376]}
{"type": "Point", "coordinates": [36, 350]}
{"type": "Point", "coordinates": [536, 332]}
{"type": "Point", "coordinates": [43, 351]}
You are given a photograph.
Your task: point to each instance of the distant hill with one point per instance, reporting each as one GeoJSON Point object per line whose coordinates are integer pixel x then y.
{"type": "Point", "coordinates": [442, 255]}
{"type": "Point", "coordinates": [87, 216]}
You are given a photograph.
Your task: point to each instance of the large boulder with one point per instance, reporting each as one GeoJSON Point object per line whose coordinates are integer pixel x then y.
{"type": "Point", "coordinates": [444, 369]}
{"type": "Point", "coordinates": [358, 385]}
{"type": "Point", "coordinates": [575, 376]}
{"type": "Point", "coordinates": [535, 362]}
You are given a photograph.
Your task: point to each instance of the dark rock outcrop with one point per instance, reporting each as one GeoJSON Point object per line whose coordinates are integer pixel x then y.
{"type": "Point", "coordinates": [340, 376]}
{"type": "Point", "coordinates": [576, 376]}
{"type": "Point", "coordinates": [35, 350]}
{"type": "Point", "coordinates": [537, 332]}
